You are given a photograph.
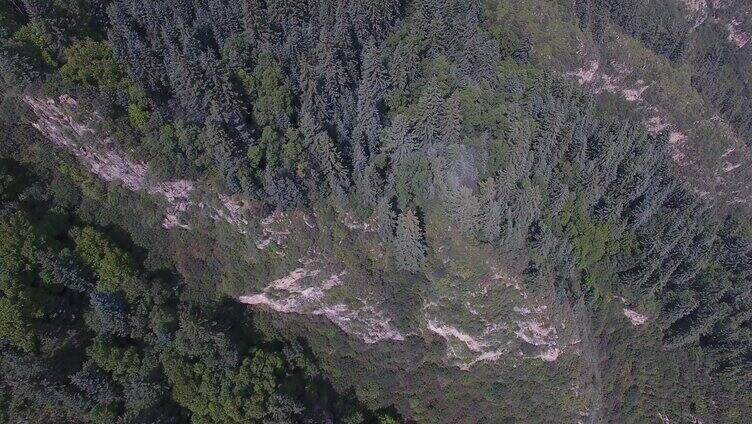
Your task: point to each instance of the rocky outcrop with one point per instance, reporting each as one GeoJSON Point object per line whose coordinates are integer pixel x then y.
{"type": "Point", "coordinates": [730, 13]}
{"type": "Point", "coordinates": [484, 332]}
{"type": "Point", "coordinates": [495, 317]}
{"type": "Point", "coordinates": [303, 291]}
{"type": "Point", "coordinates": [475, 325]}
{"type": "Point", "coordinates": [102, 156]}
{"type": "Point", "coordinates": [306, 290]}
{"type": "Point", "coordinates": [723, 178]}
{"type": "Point", "coordinates": [60, 122]}
{"type": "Point", "coordinates": [635, 317]}
{"type": "Point", "coordinates": [737, 36]}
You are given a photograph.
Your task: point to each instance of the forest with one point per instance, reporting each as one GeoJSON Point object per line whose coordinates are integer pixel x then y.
{"type": "Point", "coordinates": [89, 335]}
{"type": "Point", "coordinates": [508, 241]}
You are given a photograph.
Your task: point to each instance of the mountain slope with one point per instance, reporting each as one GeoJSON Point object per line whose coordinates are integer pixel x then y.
{"type": "Point", "coordinates": [474, 212]}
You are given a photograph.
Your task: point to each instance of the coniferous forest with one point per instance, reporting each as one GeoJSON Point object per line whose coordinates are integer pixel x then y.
{"type": "Point", "coordinates": [375, 211]}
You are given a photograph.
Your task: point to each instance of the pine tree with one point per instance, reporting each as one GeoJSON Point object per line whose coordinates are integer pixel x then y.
{"type": "Point", "coordinates": [328, 159]}
{"type": "Point", "coordinates": [386, 220]}
{"type": "Point", "coordinates": [373, 18]}
{"type": "Point", "coordinates": [16, 70]}
{"type": "Point", "coordinates": [370, 186]}
{"type": "Point", "coordinates": [465, 209]}
{"type": "Point", "coordinates": [410, 251]}
{"type": "Point", "coordinates": [222, 150]}
{"type": "Point", "coordinates": [404, 67]}
{"type": "Point", "coordinates": [431, 107]}
{"type": "Point", "coordinates": [453, 120]}
{"type": "Point", "coordinates": [282, 191]}
{"type": "Point", "coordinates": [399, 140]}
{"type": "Point", "coordinates": [490, 216]}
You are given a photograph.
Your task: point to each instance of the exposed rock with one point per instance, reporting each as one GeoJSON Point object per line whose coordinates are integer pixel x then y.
{"type": "Point", "coordinates": [354, 224]}
{"type": "Point", "coordinates": [697, 11]}
{"type": "Point", "coordinates": [635, 317]}
{"type": "Point", "coordinates": [487, 336]}
{"type": "Point", "coordinates": [480, 349]}
{"type": "Point", "coordinates": [232, 212]}
{"type": "Point", "coordinates": [586, 74]}
{"type": "Point", "coordinates": [635, 94]}
{"type": "Point", "coordinates": [708, 177]}
{"type": "Point", "coordinates": [481, 329]}
{"type": "Point", "coordinates": [102, 156]}
{"type": "Point", "coordinates": [537, 334]}
{"type": "Point", "coordinates": [303, 291]}
{"type": "Point", "coordinates": [664, 418]}
{"type": "Point", "coordinates": [368, 323]}
{"type": "Point", "coordinates": [695, 6]}
{"type": "Point", "coordinates": [275, 228]}
{"type": "Point", "coordinates": [299, 292]}
{"type": "Point", "coordinates": [736, 35]}
{"type": "Point", "coordinates": [727, 12]}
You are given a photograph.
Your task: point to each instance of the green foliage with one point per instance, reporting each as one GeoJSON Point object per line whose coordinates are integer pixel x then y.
{"type": "Point", "coordinates": [409, 243]}
{"type": "Point", "coordinates": [272, 141]}
{"type": "Point", "coordinates": [137, 116]}
{"type": "Point", "coordinates": [103, 414]}
{"type": "Point", "coordinates": [92, 63]}
{"type": "Point", "coordinates": [8, 186]}
{"type": "Point", "coordinates": [292, 152]}
{"type": "Point", "coordinates": [20, 243]}
{"type": "Point", "coordinates": [481, 112]}
{"type": "Point", "coordinates": [546, 25]}
{"type": "Point", "coordinates": [592, 240]}
{"type": "Point", "coordinates": [122, 362]}
{"type": "Point", "coordinates": [20, 309]}
{"type": "Point", "coordinates": [269, 93]}
{"type": "Point", "coordinates": [19, 314]}
{"type": "Point", "coordinates": [237, 396]}
{"type": "Point", "coordinates": [114, 267]}
{"type": "Point", "coordinates": [267, 151]}
{"type": "Point", "coordinates": [279, 144]}
{"type": "Point", "coordinates": [412, 177]}
{"type": "Point", "coordinates": [386, 419]}
{"type": "Point", "coordinates": [256, 156]}
{"type": "Point", "coordinates": [10, 19]}
{"type": "Point", "coordinates": [143, 361]}
{"type": "Point", "coordinates": [461, 269]}
{"type": "Point", "coordinates": [661, 25]}
{"type": "Point", "coordinates": [461, 111]}
{"type": "Point", "coordinates": [175, 150]}
{"type": "Point", "coordinates": [31, 35]}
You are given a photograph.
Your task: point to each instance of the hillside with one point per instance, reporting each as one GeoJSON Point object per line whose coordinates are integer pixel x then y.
{"type": "Point", "coordinates": [376, 211]}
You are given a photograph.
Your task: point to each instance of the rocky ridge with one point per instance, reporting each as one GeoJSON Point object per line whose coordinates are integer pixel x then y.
{"type": "Point", "coordinates": [528, 327]}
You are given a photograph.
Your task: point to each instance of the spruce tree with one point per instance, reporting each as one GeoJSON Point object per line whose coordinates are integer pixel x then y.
{"type": "Point", "coordinates": [410, 250]}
